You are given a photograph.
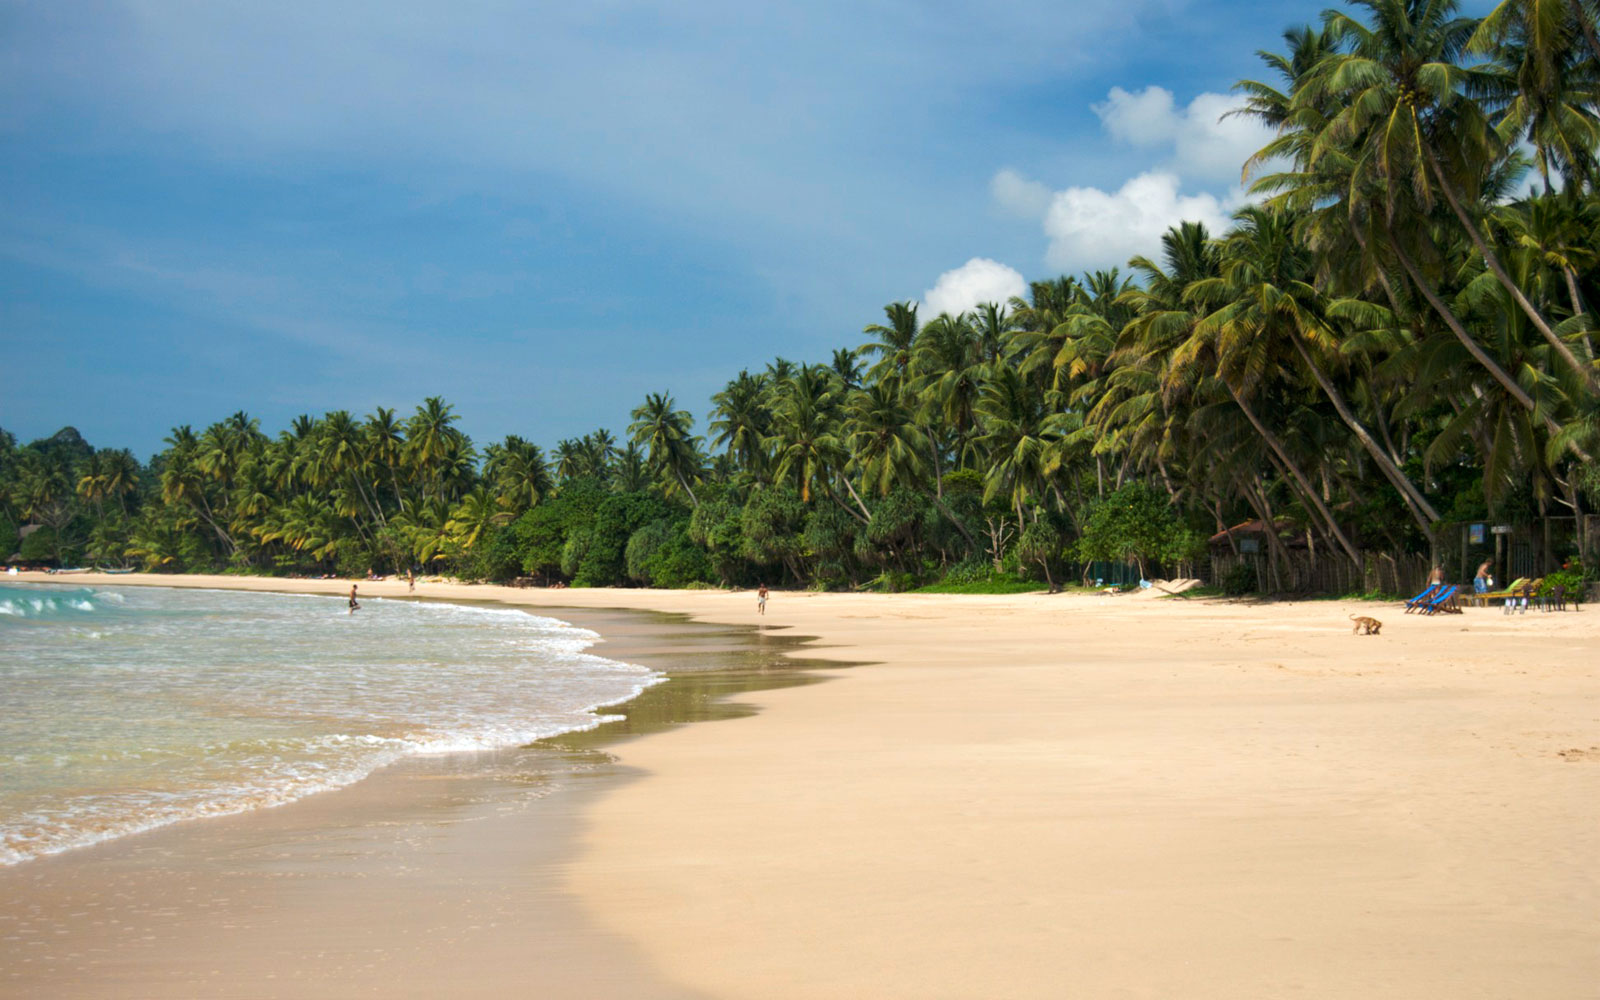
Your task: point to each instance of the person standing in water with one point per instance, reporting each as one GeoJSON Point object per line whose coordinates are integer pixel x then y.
{"type": "Point", "coordinates": [353, 602]}
{"type": "Point", "coordinates": [761, 598]}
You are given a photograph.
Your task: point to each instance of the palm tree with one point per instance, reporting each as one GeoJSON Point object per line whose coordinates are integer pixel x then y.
{"type": "Point", "coordinates": [1265, 294]}
{"type": "Point", "coordinates": [630, 473]}
{"type": "Point", "coordinates": [804, 441]}
{"type": "Point", "coordinates": [1549, 91]}
{"type": "Point", "coordinates": [385, 447]}
{"type": "Point", "coordinates": [1023, 435]}
{"type": "Point", "coordinates": [431, 441]}
{"type": "Point", "coordinates": [948, 361]}
{"type": "Point", "coordinates": [741, 420]}
{"type": "Point", "coordinates": [1409, 116]}
{"type": "Point", "coordinates": [519, 473]}
{"type": "Point", "coordinates": [664, 434]}
{"type": "Point", "coordinates": [894, 342]}
{"type": "Point", "coordinates": [184, 483]}
{"type": "Point", "coordinates": [477, 513]}
{"type": "Point", "coordinates": [846, 366]}
{"type": "Point", "coordinates": [884, 441]}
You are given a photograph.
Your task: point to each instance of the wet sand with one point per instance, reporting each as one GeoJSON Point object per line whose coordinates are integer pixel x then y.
{"type": "Point", "coordinates": [1039, 796]}
{"type": "Point", "coordinates": [441, 876]}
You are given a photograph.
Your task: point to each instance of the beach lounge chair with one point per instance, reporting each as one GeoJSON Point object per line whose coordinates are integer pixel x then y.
{"type": "Point", "coordinates": [1422, 598]}
{"type": "Point", "coordinates": [1494, 595]}
{"type": "Point", "coordinates": [1525, 594]}
{"type": "Point", "coordinates": [1444, 600]}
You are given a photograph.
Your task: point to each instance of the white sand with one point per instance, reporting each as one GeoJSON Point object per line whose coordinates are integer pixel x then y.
{"type": "Point", "coordinates": [1077, 796]}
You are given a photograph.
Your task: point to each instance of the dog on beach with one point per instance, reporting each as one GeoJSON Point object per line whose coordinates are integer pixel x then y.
{"type": "Point", "coordinates": [1371, 625]}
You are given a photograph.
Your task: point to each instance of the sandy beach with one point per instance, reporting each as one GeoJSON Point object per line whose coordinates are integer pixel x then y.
{"type": "Point", "coordinates": [1028, 796]}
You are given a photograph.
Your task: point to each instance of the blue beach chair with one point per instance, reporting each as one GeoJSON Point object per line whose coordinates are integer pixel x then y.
{"type": "Point", "coordinates": [1442, 601]}
{"type": "Point", "coordinates": [1422, 598]}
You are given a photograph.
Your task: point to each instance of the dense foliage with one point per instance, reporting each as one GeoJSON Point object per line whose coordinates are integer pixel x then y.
{"type": "Point", "coordinates": [1393, 337]}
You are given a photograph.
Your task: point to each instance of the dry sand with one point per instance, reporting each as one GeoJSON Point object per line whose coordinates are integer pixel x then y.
{"type": "Point", "coordinates": [1066, 796]}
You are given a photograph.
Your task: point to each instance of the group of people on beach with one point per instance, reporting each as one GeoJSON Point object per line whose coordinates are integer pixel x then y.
{"type": "Point", "coordinates": [1482, 581]}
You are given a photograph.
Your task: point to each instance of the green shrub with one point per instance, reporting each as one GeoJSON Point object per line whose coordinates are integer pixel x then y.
{"type": "Point", "coordinates": [1573, 582]}
{"type": "Point", "coordinates": [894, 582]}
{"type": "Point", "coordinates": [1239, 580]}
{"type": "Point", "coordinates": [39, 546]}
{"type": "Point", "coordinates": [1135, 524]}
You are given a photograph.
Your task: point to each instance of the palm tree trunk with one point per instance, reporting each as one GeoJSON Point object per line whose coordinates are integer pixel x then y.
{"type": "Point", "coordinates": [1493, 261]}
{"type": "Point", "coordinates": [1420, 508]}
{"type": "Point", "coordinates": [1577, 305]}
{"type": "Point", "coordinates": [1216, 506]}
{"type": "Point", "coordinates": [950, 516]}
{"type": "Point", "coordinates": [1473, 347]}
{"type": "Point", "coordinates": [1294, 470]}
{"type": "Point", "coordinates": [866, 515]}
{"type": "Point", "coordinates": [1277, 556]}
{"type": "Point", "coordinates": [684, 483]}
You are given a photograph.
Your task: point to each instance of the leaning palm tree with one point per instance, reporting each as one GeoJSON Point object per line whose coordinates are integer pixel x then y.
{"type": "Point", "coordinates": [1410, 116]}
{"type": "Point", "coordinates": [1265, 294]}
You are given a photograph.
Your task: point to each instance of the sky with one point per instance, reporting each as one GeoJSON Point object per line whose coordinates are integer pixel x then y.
{"type": "Point", "coordinates": [542, 212]}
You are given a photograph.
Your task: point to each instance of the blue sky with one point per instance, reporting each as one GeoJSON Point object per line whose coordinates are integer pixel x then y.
{"type": "Point", "coordinates": [544, 211]}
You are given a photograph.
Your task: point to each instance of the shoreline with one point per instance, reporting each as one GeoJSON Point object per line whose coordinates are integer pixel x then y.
{"type": "Point", "coordinates": [1034, 796]}
{"type": "Point", "coordinates": [473, 815]}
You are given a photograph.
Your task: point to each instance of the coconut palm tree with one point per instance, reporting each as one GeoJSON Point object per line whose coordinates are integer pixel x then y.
{"type": "Point", "coordinates": [805, 443]}
{"type": "Point", "coordinates": [1548, 93]}
{"type": "Point", "coordinates": [518, 471]}
{"type": "Point", "coordinates": [1264, 295]}
{"type": "Point", "coordinates": [741, 420]}
{"type": "Point", "coordinates": [894, 342]}
{"type": "Point", "coordinates": [669, 445]}
{"type": "Point", "coordinates": [1409, 116]}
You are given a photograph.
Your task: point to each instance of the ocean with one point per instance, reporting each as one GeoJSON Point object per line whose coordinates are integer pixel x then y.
{"type": "Point", "coordinates": [125, 709]}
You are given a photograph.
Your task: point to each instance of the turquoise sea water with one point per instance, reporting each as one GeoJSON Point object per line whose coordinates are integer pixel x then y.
{"type": "Point", "coordinates": [123, 709]}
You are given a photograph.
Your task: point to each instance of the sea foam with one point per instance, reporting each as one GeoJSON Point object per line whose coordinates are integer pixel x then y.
{"type": "Point", "coordinates": [125, 710]}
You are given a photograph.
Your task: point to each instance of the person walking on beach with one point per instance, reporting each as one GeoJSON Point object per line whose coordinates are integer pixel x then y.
{"type": "Point", "coordinates": [353, 602]}
{"type": "Point", "coordinates": [411, 581]}
{"type": "Point", "coordinates": [1483, 581]}
{"type": "Point", "coordinates": [1436, 577]}
{"type": "Point", "coordinates": [761, 598]}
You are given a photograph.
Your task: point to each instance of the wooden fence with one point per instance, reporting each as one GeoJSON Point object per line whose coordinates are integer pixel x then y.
{"type": "Point", "coordinates": [1307, 573]}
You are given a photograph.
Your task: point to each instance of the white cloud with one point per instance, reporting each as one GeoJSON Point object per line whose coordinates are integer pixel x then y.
{"type": "Point", "coordinates": [1090, 228]}
{"type": "Point", "coordinates": [1018, 196]}
{"type": "Point", "coordinates": [1200, 149]}
{"type": "Point", "coordinates": [1205, 142]}
{"type": "Point", "coordinates": [1210, 144]}
{"type": "Point", "coordinates": [977, 281]}
{"type": "Point", "coordinates": [1146, 118]}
